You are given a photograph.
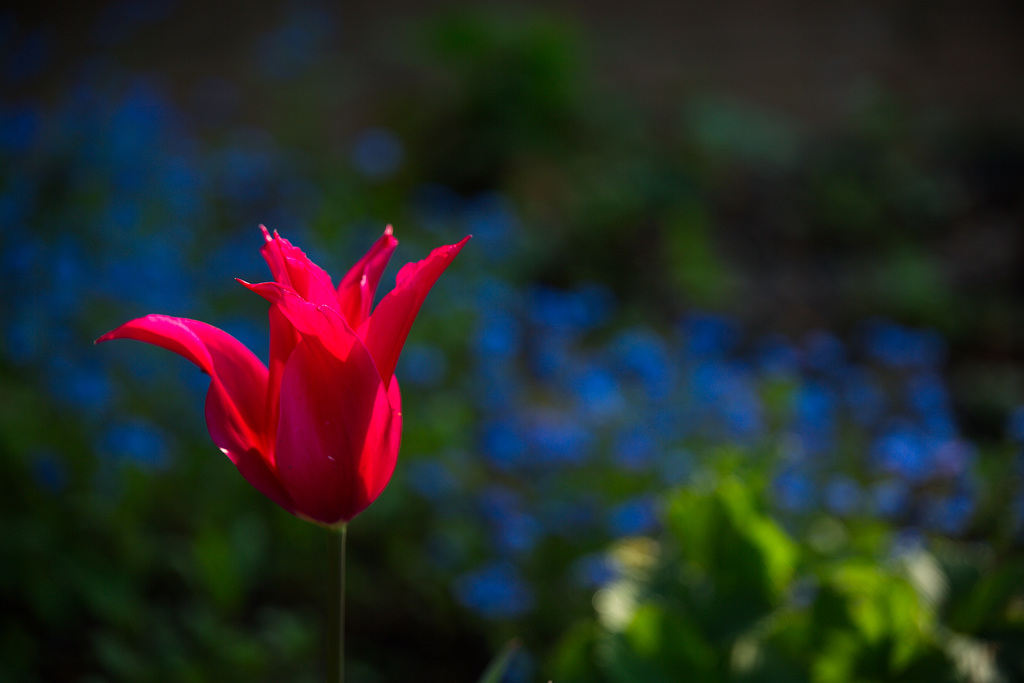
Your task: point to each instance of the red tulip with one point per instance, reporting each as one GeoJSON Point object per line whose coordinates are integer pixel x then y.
{"type": "Point", "coordinates": [318, 431]}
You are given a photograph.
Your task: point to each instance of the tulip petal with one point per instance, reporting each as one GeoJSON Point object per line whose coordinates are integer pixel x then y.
{"type": "Point", "coordinates": [291, 267]}
{"type": "Point", "coordinates": [376, 472]}
{"type": "Point", "coordinates": [235, 400]}
{"type": "Point", "coordinates": [386, 329]}
{"type": "Point", "coordinates": [358, 287]}
{"type": "Point", "coordinates": [306, 317]}
{"type": "Point", "coordinates": [337, 437]}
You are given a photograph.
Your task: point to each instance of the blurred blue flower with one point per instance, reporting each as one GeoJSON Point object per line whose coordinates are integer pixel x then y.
{"type": "Point", "coordinates": [50, 471]}
{"type": "Point", "coordinates": [927, 394]}
{"type": "Point", "coordinates": [709, 335]}
{"type": "Point", "coordinates": [741, 407]}
{"type": "Point", "coordinates": [634, 449]}
{"type": "Point", "coordinates": [598, 392]}
{"type": "Point", "coordinates": [824, 352]}
{"type": "Point", "coordinates": [136, 441]}
{"type": "Point", "coordinates": [497, 386]}
{"type": "Point", "coordinates": [503, 444]}
{"type": "Point", "coordinates": [593, 570]}
{"type": "Point", "coordinates": [724, 399]}
{"type": "Point", "coordinates": [815, 416]}
{"type": "Point", "coordinates": [181, 185]}
{"type": "Point", "coordinates": [950, 514]}
{"type": "Point", "coordinates": [776, 356]}
{"type": "Point", "coordinates": [495, 591]}
{"type": "Point", "coordinates": [891, 498]}
{"type": "Point", "coordinates": [24, 338]}
{"type": "Point", "coordinates": [1015, 424]}
{"type": "Point", "coordinates": [557, 438]}
{"type": "Point", "coordinates": [140, 124]}
{"type": "Point", "coordinates": [498, 334]}
{"type": "Point", "coordinates": [643, 356]}
{"type": "Point", "coordinates": [954, 457]}
{"type": "Point", "coordinates": [633, 517]}
{"type": "Point", "coordinates": [794, 490]}
{"type": "Point", "coordinates": [518, 532]}
{"type": "Point", "coordinates": [18, 200]}
{"type": "Point", "coordinates": [570, 311]}
{"type": "Point", "coordinates": [907, 540]}
{"type": "Point", "coordinates": [903, 347]}
{"type": "Point", "coordinates": [87, 388]}
{"type": "Point", "coordinates": [843, 495]}
{"type": "Point", "coordinates": [551, 355]}
{"type": "Point", "coordinates": [20, 127]}
{"type": "Point", "coordinates": [902, 450]}
{"type": "Point", "coordinates": [377, 153]}
{"type": "Point", "coordinates": [864, 396]}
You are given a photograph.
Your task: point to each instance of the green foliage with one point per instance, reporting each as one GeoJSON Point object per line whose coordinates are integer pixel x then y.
{"type": "Point", "coordinates": [725, 594]}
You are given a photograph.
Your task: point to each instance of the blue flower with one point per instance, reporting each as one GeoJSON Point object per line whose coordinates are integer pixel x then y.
{"type": "Point", "coordinates": [495, 591]}
{"type": "Point", "coordinates": [498, 334]}
{"type": "Point", "coordinates": [1015, 425]}
{"type": "Point", "coordinates": [598, 392]}
{"type": "Point", "coordinates": [824, 352]}
{"type": "Point", "coordinates": [891, 498]}
{"type": "Point", "coordinates": [775, 356]}
{"type": "Point", "coordinates": [843, 495]}
{"type": "Point", "coordinates": [634, 448]}
{"type": "Point", "coordinates": [950, 514]}
{"type": "Point", "coordinates": [137, 442]}
{"type": "Point", "coordinates": [901, 450]}
{"type": "Point", "coordinates": [902, 347]}
{"type": "Point", "coordinates": [633, 517]}
{"type": "Point", "coordinates": [50, 471]}
{"type": "Point", "coordinates": [557, 438]}
{"type": "Point", "coordinates": [643, 356]}
{"type": "Point", "coordinates": [503, 444]}
{"type": "Point", "coordinates": [709, 335]}
{"type": "Point", "coordinates": [864, 395]}
{"type": "Point", "coordinates": [593, 570]}
{"type": "Point", "coordinates": [794, 490]}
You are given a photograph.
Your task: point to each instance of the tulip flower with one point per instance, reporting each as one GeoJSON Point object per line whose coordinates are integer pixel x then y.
{"type": "Point", "coordinates": [318, 430]}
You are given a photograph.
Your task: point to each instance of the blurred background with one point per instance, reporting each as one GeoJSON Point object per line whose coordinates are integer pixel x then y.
{"type": "Point", "coordinates": [729, 384]}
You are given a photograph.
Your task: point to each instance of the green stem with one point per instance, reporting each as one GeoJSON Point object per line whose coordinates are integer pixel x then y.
{"type": "Point", "coordinates": [336, 606]}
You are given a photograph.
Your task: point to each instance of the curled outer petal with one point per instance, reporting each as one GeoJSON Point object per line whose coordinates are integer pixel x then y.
{"type": "Point", "coordinates": [235, 401]}
{"type": "Point", "coordinates": [387, 328]}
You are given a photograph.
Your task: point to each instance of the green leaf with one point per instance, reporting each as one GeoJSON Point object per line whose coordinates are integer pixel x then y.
{"type": "Point", "coordinates": [496, 670]}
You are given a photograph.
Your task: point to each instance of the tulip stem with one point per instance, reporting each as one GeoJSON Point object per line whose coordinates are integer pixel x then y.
{"type": "Point", "coordinates": [336, 606]}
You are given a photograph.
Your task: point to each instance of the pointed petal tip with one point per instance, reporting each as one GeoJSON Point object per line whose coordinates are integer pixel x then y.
{"type": "Point", "coordinates": [389, 230]}
{"type": "Point", "coordinates": [266, 233]}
